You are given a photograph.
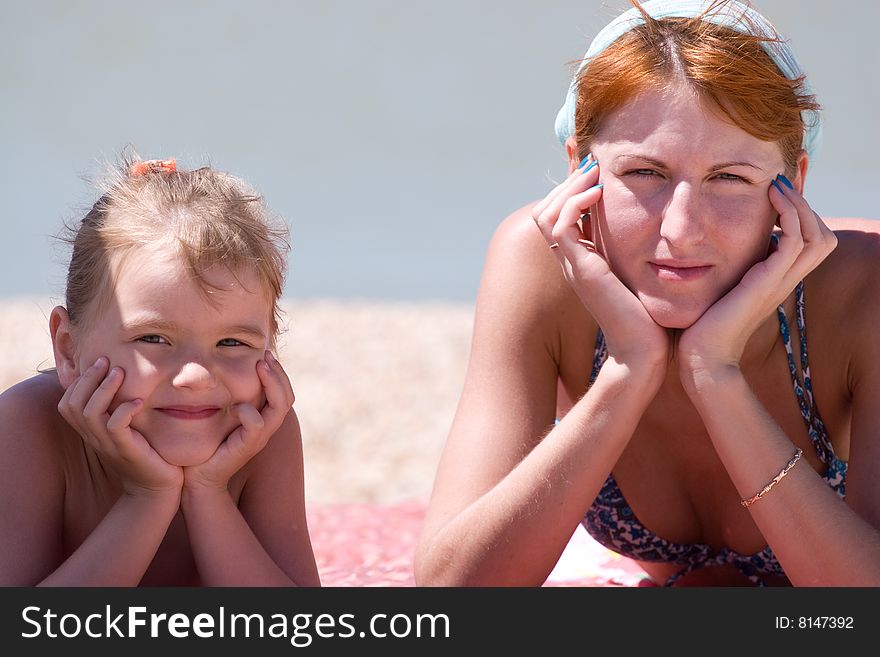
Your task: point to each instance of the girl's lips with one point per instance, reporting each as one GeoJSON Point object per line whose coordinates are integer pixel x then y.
{"type": "Point", "coordinates": [190, 413]}
{"type": "Point", "coordinates": [670, 272]}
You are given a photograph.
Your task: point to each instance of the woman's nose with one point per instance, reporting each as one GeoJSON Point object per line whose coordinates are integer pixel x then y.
{"type": "Point", "coordinates": [194, 374]}
{"type": "Point", "coordinates": [682, 221]}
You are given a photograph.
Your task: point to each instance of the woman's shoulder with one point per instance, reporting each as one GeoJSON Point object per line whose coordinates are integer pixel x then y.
{"type": "Point", "coordinates": [847, 284]}
{"type": "Point", "coordinates": [852, 269]}
{"type": "Point", "coordinates": [520, 261]}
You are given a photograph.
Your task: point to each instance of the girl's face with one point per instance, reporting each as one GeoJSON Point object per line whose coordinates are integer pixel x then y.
{"type": "Point", "coordinates": [189, 354]}
{"type": "Point", "coordinates": [684, 210]}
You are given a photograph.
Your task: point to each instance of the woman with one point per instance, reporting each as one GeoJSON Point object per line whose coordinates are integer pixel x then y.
{"type": "Point", "coordinates": [659, 386]}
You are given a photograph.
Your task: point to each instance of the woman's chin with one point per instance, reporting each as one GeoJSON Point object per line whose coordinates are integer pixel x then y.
{"type": "Point", "coordinates": [671, 315]}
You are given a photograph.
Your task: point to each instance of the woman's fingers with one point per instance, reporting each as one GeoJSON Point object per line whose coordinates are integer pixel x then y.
{"type": "Point", "coordinates": [546, 213]}
{"type": "Point", "coordinates": [806, 240]}
{"type": "Point", "coordinates": [568, 232]}
{"type": "Point", "coordinates": [541, 205]}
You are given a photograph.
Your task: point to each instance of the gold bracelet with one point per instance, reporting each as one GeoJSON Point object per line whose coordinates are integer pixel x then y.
{"type": "Point", "coordinates": [754, 498]}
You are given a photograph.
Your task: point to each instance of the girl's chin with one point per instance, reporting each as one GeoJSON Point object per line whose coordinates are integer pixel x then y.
{"type": "Point", "coordinates": [185, 453]}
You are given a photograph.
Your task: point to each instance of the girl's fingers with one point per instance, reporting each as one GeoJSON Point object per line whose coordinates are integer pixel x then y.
{"type": "Point", "coordinates": [250, 417]}
{"type": "Point", "coordinates": [121, 417]}
{"type": "Point", "coordinates": [97, 407]}
{"type": "Point", "coordinates": [79, 393]}
{"type": "Point", "coordinates": [278, 390]}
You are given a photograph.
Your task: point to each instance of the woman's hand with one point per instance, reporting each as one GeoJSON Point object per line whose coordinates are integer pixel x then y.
{"type": "Point", "coordinates": [251, 436]}
{"type": "Point", "coordinates": [718, 338]}
{"type": "Point", "coordinates": [86, 407]}
{"type": "Point", "coordinates": [632, 336]}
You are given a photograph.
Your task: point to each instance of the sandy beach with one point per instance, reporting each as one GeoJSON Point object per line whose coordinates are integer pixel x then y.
{"type": "Point", "coordinates": [376, 387]}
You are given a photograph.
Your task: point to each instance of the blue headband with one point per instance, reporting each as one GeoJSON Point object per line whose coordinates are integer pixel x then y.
{"type": "Point", "coordinates": [733, 15]}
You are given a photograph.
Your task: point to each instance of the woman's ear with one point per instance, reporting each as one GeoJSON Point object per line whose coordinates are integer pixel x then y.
{"type": "Point", "coordinates": [571, 151]}
{"type": "Point", "coordinates": [803, 164]}
{"type": "Point", "coordinates": [63, 346]}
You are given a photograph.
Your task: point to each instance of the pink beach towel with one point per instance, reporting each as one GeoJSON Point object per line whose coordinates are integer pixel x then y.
{"type": "Point", "coordinates": [373, 545]}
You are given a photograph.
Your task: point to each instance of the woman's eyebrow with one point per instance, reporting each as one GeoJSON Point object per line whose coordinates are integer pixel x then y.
{"type": "Point", "coordinates": [662, 165]}
{"type": "Point", "coordinates": [641, 158]}
{"type": "Point", "coordinates": [737, 163]}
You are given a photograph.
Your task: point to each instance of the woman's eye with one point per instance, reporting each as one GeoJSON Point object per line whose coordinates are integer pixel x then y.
{"type": "Point", "coordinates": [231, 342]}
{"type": "Point", "coordinates": [153, 339]}
{"type": "Point", "coordinates": [647, 173]}
{"type": "Point", "coordinates": [730, 177]}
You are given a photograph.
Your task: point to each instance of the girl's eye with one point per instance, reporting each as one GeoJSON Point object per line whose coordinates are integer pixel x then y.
{"type": "Point", "coordinates": [231, 342]}
{"type": "Point", "coordinates": [153, 339]}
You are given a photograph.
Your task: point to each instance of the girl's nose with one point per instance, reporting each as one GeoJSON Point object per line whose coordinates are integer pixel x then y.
{"type": "Point", "coordinates": [194, 374]}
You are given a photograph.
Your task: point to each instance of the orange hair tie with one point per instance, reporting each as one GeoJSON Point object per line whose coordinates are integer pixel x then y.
{"type": "Point", "coordinates": [153, 166]}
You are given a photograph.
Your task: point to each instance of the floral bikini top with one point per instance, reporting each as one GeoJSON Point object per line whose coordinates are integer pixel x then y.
{"type": "Point", "coordinates": [612, 522]}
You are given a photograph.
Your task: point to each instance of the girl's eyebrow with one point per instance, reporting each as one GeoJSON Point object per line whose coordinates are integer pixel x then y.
{"type": "Point", "coordinates": [142, 324]}
{"type": "Point", "coordinates": [138, 324]}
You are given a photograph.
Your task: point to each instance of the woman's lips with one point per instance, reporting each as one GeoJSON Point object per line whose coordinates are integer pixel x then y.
{"type": "Point", "coordinates": [190, 412]}
{"type": "Point", "coordinates": [669, 271]}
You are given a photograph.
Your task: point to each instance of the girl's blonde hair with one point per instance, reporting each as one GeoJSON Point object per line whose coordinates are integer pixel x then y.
{"type": "Point", "coordinates": [209, 217]}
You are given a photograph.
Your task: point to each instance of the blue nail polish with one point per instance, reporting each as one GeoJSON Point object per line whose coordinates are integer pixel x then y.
{"type": "Point", "coordinates": [584, 161]}
{"type": "Point", "coordinates": [785, 181]}
{"type": "Point", "coordinates": [592, 164]}
{"type": "Point", "coordinates": [776, 185]}
{"type": "Point", "coordinates": [599, 186]}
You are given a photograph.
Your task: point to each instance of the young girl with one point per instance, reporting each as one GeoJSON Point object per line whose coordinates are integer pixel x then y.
{"type": "Point", "coordinates": [162, 449]}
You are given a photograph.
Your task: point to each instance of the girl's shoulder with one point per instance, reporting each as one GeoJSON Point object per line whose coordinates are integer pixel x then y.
{"type": "Point", "coordinates": [36, 393]}
{"type": "Point", "coordinates": [29, 415]}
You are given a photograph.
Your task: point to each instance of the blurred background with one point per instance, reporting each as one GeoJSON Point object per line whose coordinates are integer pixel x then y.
{"type": "Point", "coordinates": [392, 136]}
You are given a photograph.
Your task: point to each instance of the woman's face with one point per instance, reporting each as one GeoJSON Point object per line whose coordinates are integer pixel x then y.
{"type": "Point", "coordinates": [685, 209]}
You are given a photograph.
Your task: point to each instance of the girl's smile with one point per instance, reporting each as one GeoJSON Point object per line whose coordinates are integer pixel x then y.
{"type": "Point", "coordinates": [188, 352]}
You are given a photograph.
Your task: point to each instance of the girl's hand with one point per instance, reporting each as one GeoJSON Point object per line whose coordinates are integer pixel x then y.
{"type": "Point", "coordinates": [251, 437]}
{"type": "Point", "coordinates": [86, 407]}
{"type": "Point", "coordinates": [630, 333]}
{"type": "Point", "coordinates": [719, 337]}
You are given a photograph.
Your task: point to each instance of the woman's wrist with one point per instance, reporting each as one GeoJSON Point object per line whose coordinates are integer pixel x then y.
{"type": "Point", "coordinates": [701, 378]}
{"type": "Point", "coordinates": [645, 371]}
